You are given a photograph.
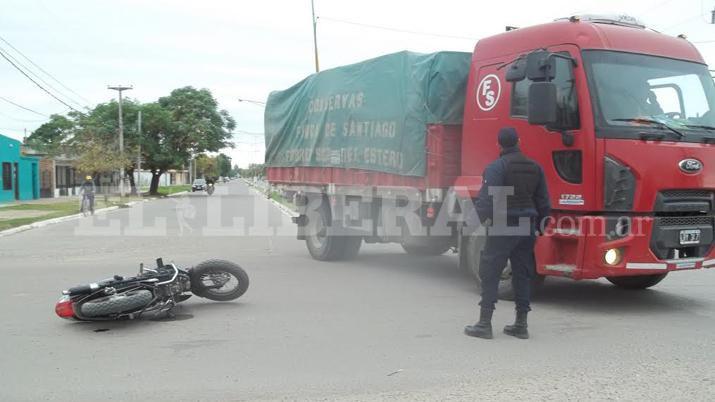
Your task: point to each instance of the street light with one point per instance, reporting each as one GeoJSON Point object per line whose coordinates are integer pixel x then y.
{"type": "Point", "coordinates": [255, 102]}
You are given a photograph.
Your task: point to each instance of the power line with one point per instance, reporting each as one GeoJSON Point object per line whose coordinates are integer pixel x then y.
{"type": "Point", "coordinates": [683, 21]}
{"type": "Point", "coordinates": [655, 7]}
{"type": "Point", "coordinates": [396, 29]}
{"type": "Point", "coordinates": [38, 77]}
{"type": "Point", "coordinates": [22, 107]}
{"type": "Point", "coordinates": [21, 120]}
{"type": "Point", "coordinates": [2, 53]}
{"type": "Point", "coordinates": [43, 70]}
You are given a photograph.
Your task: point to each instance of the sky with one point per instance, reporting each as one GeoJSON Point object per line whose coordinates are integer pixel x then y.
{"type": "Point", "coordinates": [245, 49]}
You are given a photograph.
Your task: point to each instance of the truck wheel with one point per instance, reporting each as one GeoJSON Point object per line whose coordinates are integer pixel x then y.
{"type": "Point", "coordinates": [472, 247]}
{"type": "Point", "coordinates": [323, 246]}
{"type": "Point", "coordinates": [636, 282]}
{"type": "Point", "coordinates": [426, 249]}
{"type": "Point", "coordinates": [351, 247]}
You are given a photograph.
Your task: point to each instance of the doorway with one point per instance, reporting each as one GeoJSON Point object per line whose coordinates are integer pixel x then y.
{"type": "Point", "coordinates": [17, 180]}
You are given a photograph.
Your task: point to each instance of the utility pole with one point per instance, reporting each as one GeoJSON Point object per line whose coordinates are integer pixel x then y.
{"type": "Point", "coordinates": [712, 16]}
{"type": "Point", "coordinates": [119, 89]}
{"type": "Point", "coordinates": [315, 36]}
{"type": "Point", "coordinates": [139, 152]}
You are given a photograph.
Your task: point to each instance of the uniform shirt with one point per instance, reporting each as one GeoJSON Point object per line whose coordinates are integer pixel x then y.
{"type": "Point", "coordinates": [494, 176]}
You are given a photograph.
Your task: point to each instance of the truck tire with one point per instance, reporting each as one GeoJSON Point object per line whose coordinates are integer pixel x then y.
{"type": "Point", "coordinates": [324, 246]}
{"type": "Point", "coordinates": [472, 246]}
{"type": "Point", "coordinates": [351, 247]}
{"type": "Point", "coordinates": [117, 303]}
{"type": "Point", "coordinates": [636, 282]}
{"type": "Point", "coordinates": [426, 249]}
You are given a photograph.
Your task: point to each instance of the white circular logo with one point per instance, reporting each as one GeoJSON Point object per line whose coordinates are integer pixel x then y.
{"type": "Point", "coordinates": [488, 92]}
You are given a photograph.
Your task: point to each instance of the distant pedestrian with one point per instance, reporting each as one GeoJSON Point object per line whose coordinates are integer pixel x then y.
{"type": "Point", "coordinates": [530, 199]}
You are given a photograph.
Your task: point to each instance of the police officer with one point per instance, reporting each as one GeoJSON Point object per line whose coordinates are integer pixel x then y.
{"type": "Point", "coordinates": [506, 238]}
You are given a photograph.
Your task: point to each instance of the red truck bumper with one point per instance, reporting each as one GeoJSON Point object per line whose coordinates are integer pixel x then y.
{"type": "Point", "coordinates": [576, 246]}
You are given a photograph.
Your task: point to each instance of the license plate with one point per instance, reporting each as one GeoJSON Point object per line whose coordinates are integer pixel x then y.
{"type": "Point", "coordinates": [690, 236]}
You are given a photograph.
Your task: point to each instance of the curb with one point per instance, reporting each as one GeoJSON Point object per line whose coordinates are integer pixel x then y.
{"type": "Point", "coordinates": [47, 222]}
{"type": "Point", "coordinates": [286, 211]}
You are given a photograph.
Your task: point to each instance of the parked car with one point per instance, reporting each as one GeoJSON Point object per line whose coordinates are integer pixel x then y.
{"type": "Point", "coordinates": [199, 185]}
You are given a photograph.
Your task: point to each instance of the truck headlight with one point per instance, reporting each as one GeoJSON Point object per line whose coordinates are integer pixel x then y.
{"type": "Point", "coordinates": [612, 256]}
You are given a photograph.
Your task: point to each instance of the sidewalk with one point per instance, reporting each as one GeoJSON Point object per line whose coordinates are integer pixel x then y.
{"type": "Point", "coordinates": [19, 214]}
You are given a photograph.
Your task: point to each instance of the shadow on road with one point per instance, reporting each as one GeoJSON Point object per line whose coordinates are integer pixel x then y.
{"type": "Point", "coordinates": [182, 312]}
{"type": "Point", "coordinates": [595, 296]}
{"type": "Point", "coordinates": [585, 296]}
{"type": "Point", "coordinates": [440, 268]}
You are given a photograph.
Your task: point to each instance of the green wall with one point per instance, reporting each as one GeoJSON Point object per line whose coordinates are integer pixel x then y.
{"type": "Point", "coordinates": [27, 171]}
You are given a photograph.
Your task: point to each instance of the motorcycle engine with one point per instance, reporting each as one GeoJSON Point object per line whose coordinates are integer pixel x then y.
{"type": "Point", "coordinates": [179, 286]}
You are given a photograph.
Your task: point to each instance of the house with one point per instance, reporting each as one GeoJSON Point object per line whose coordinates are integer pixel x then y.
{"type": "Point", "coordinates": [19, 174]}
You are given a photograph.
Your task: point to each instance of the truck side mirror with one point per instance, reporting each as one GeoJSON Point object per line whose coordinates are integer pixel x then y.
{"type": "Point", "coordinates": [540, 66]}
{"type": "Point", "coordinates": [541, 107]}
{"type": "Point", "coordinates": [516, 71]}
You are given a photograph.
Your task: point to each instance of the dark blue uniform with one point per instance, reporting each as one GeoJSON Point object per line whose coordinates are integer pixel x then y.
{"type": "Point", "coordinates": [530, 200]}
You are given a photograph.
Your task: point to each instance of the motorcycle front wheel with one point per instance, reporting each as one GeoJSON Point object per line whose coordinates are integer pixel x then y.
{"type": "Point", "coordinates": [218, 280]}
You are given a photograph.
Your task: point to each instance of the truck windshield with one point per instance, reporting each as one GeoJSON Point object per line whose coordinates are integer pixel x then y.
{"type": "Point", "coordinates": [634, 93]}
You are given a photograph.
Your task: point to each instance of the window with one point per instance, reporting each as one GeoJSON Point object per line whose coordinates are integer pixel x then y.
{"type": "Point", "coordinates": [567, 110]}
{"type": "Point", "coordinates": [6, 176]}
{"type": "Point", "coordinates": [627, 87]}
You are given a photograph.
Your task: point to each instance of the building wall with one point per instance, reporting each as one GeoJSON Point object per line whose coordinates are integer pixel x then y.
{"type": "Point", "coordinates": [170, 178]}
{"type": "Point", "coordinates": [22, 180]}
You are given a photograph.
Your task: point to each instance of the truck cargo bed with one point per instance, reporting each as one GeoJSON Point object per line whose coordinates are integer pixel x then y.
{"type": "Point", "coordinates": [443, 150]}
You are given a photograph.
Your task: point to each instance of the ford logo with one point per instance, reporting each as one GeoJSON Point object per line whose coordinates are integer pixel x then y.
{"type": "Point", "coordinates": [690, 165]}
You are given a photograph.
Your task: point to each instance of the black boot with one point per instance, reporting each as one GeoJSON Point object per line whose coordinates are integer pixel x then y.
{"type": "Point", "coordinates": [482, 329]}
{"type": "Point", "coordinates": [519, 328]}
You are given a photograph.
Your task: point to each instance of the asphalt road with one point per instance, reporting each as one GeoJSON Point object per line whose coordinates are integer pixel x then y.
{"type": "Point", "coordinates": [386, 326]}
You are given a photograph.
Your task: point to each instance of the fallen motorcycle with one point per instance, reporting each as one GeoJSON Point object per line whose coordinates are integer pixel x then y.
{"type": "Point", "coordinates": [156, 291]}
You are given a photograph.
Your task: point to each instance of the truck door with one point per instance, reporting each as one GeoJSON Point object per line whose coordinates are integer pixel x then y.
{"type": "Point", "coordinates": [566, 150]}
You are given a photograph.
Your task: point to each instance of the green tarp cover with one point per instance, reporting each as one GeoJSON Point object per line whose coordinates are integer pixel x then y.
{"type": "Point", "coordinates": [369, 115]}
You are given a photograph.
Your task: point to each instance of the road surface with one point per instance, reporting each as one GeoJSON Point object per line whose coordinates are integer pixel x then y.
{"type": "Point", "coordinates": [386, 326]}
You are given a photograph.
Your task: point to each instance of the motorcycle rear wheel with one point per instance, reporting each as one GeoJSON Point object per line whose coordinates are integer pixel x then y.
{"type": "Point", "coordinates": [209, 278]}
{"type": "Point", "coordinates": [117, 303]}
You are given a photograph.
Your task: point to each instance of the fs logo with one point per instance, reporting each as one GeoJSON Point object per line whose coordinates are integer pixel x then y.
{"type": "Point", "coordinates": [488, 92]}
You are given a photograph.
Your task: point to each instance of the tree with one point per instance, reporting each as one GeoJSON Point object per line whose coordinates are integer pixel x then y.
{"type": "Point", "coordinates": [192, 124]}
{"type": "Point", "coordinates": [223, 163]}
{"type": "Point", "coordinates": [176, 127]}
{"type": "Point", "coordinates": [254, 170]}
{"type": "Point", "coordinates": [95, 157]}
{"type": "Point", "coordinates": [100, 128]}
{"type": "Point", "coordinates": [206, 166]}
{"type": "Point", "coordinates": [53, 137]}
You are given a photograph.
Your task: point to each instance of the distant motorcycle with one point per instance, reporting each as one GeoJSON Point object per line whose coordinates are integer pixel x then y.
{"type": "Point", "coordinates": [153, 291]}
{"type": "Point", "coordinates": [210, 188]}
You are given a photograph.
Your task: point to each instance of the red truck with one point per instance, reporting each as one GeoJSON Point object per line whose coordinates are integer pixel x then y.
{"type": "Point", "coordinates": [619, 116]}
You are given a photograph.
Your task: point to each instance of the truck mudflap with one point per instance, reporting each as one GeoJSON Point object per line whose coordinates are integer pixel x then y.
{"type": "Point", "coordinates": [591, 247]}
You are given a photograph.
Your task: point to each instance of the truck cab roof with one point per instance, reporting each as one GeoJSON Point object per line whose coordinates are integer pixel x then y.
{"type": "Point", "coordinates": [587, 34]}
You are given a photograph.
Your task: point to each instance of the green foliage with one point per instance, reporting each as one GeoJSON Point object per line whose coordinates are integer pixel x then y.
{"type": "Point", "coordinates": [254, 170]}
{"type": "Point", "coordinates": [53, 136]}
{"type": "Point", "coordinates": [186, 122]}
{"type": "Point", "coordinates": [223, 163]}
{"type": "Point", "coordinates": [206, 167]}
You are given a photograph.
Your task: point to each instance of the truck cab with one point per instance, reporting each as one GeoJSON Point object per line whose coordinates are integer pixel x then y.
{"type": "Point", "coordinates": [621, 120]}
